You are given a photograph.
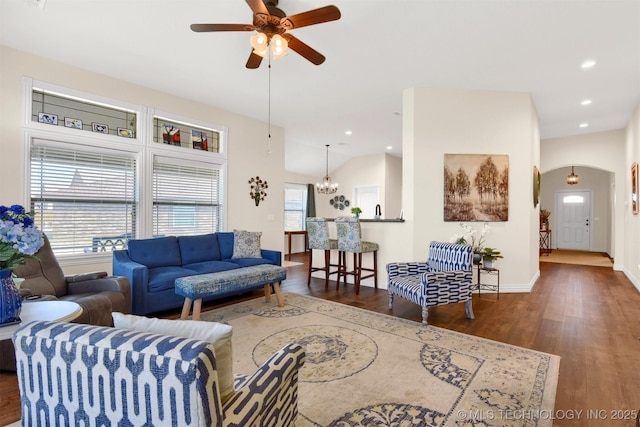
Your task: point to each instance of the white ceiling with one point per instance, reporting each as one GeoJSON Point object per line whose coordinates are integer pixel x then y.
{"type": "Point", "coordinates": [375, 51]}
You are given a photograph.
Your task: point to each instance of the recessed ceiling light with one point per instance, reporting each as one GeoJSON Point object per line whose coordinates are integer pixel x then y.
{"type": "Point", "coordinates": [584, 125]}
{"type": "Point", "coordinates": [389, 147]}
{"type": "Point", "coordinates": [588, 64]}
{"type": "Point", "coordinates": [586, 102]}
{"type": "Point", "coordinates": [348, 132]}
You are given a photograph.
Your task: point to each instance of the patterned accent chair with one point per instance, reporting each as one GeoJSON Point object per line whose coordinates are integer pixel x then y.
{"type": "Point", "coordinates": [445, 278]}
{"type": "Point", "coordinates": [350, 240]}
{"type": "Point", "coordinates": [74, 374]}
{"type": "Point", "coordinates": [318, 235]}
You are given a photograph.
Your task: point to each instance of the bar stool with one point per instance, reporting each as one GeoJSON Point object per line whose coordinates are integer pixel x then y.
{"type": "Point", "coordinates": [350, 240]}
{"type": "Point", "coordinates": [318, 236]}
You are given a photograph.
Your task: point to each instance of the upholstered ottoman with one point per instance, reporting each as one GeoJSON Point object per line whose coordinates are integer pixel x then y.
{"type": "Point", "coordinates": [194, 288]}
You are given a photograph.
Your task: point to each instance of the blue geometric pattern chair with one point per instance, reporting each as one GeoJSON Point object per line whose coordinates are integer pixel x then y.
{"type": "Point", "coordinates": [350, 240]}
{"type": "Point", "coordinates": [446, 278]}
{"type": "Point", "coordinates": [73, 374]}
{"type": "Point", "coordinates": [318, 236]}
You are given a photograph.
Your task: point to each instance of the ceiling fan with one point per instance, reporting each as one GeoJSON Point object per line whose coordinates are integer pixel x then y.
{"type": "Point", "coordinates": [272, 25]}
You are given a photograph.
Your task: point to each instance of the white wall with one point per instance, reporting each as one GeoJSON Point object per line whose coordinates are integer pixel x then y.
{"type": "Point", "coordinates": [600, 150]}
{"type": "Point", "coordinates": [393, 185]}
{"type": "Point", "coordinates": [631, 226]}
{"type": "Point", "coordinates": [439, 121]}
{"type": "Point", "coordinates": [247, 154]}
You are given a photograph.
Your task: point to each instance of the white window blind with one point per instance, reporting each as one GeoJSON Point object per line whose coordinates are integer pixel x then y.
{"type": "Point", "coordinates": [295, 206]}
{"type": "Point", "coordinates": [85, 201]}
{"type": "Point", "coordinates": [186, 197]}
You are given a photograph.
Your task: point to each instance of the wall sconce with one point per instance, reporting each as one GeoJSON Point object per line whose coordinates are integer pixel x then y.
{"type": "Point", "coordinates": [573, 178]}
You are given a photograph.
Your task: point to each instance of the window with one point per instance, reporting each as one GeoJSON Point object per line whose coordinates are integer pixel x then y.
{"type": "Point", "coordinates": [295, 206]}
{"type": "Point", "coordinates": [83, 198]}
{"type": "Point", "coordinates": [366, 198]}
{"type": "Point", "coordinates": [105, 173]}
{"type": "Point", "coordinates": [186, 197]}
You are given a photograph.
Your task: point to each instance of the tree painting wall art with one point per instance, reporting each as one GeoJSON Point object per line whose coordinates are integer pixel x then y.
{"type": "Point", "coordinates": [476, 187]}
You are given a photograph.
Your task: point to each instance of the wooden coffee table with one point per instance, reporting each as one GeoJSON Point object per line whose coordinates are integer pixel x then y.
{"type": "Point", "coordinates": [56, 311]}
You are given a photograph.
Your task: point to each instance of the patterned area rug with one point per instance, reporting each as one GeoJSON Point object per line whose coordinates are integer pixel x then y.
{"type": "Point", "coordinates": [369, 369]}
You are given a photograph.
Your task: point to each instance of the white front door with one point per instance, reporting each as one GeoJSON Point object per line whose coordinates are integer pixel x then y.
{"type": "Point", "coordinates": [573, 221]}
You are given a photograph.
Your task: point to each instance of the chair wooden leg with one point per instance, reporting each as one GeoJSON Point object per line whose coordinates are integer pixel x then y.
{"type": "Point", "coordinates": [469, 308]}
{"type": "Point", "coordinates": [341, 262]}
{"type": "Point", "coordinates": [310, 267]}
{"type": "Point", "coordinates": [327, 265]}
{"type": "Point", "coordinates": [375, 269]}
{"type": "Point", "coordinates": [357, 268]}
{"type": "Point", "coordinates": [425, 314]}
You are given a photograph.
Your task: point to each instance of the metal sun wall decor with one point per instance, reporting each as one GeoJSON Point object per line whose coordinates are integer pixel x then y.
{"type": "Point", "coordinates": [257, 189]}
{"type": "Point", "coordinates": [476, 187]}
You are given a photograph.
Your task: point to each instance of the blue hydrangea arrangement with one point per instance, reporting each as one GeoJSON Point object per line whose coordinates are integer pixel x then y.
{"type": "Point", "coordinates": [19, 237]}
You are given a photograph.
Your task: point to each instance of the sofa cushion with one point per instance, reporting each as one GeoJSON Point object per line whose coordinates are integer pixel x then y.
{"type": "Point", "coordinates": [157, 252]}
{"type": "Point", "coordinates": [162, 278]}
{"type": "Point", "coordinates": [246, 244]}
{"type": "Point", "coordinates": [199, 248]}
{"type": "Point", "coordinates": [225, 241]}
{"type": "Point", "coordinates": [211, 266]}
{"type": "Point", "coordinates": [217, 334]}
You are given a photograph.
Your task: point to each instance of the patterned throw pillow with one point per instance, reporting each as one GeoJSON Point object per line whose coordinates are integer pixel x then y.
{"type": "Point", "coordinates": [217, 334]}
{"type": "Point", "coordinates": [246, 244]}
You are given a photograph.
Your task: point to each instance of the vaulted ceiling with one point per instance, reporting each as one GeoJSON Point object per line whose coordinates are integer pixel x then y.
{"type": "Point", "coordinates": [375, 51]}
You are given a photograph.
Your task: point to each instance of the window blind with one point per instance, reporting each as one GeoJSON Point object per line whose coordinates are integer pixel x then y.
{"type": "Point", "coordinates": [295, 203]}
{"type": "Point", "coordinates": [83, 199]}
{"type": "Point", "coordinates": [186, 197]}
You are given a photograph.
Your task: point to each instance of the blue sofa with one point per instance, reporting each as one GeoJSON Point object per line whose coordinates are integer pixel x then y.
{"type": "Point", "coordinates": [153, 265]}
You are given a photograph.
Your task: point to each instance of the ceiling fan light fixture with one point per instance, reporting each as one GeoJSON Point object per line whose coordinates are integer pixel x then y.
{"type": "Point", "coordinates": [279, 46]}
{"type": "Point", "coordinates": [260, 44]}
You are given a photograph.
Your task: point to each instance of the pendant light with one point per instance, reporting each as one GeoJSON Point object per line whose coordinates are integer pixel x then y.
{"type": "Point", "coordinates": [573, 178]}
{"type": "Point", "coordinates": [326, 186]}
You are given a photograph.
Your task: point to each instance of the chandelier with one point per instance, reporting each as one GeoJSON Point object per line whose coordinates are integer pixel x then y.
{"type": "Point", "coordinates": [573, 178]}
{"type": "Point", "coordinates": [326, 187]}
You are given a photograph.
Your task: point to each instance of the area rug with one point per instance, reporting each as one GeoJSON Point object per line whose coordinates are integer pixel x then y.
{"type": "Point", "coordinates": [563, 256]}
{"type": "Point", "coordinates": [368, 369]}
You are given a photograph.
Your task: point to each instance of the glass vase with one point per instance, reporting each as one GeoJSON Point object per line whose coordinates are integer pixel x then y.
{"type": "Point", "coordinates": [10, 299]}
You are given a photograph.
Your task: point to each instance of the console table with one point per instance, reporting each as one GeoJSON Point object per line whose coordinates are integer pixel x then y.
{"type": "Point", "coordinates": [56, 311]}
{"type": "Point", "coordinates": [545, 242]}
{"type": "Point", "coordinates": [295, 232]}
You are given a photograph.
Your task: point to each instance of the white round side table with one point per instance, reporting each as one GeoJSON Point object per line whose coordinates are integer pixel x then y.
{"type": "Point", "coordinates": [56, 311]}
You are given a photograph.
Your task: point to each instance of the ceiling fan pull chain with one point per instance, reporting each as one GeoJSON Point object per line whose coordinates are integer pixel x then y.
{"type": "Point", "coordinates": [269, 112]}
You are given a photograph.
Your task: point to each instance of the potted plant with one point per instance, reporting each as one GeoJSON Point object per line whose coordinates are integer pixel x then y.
{"type": "Point", "coordinates": [489, 255]}
{"type": "Point", "coordinates": [356, 211]}
{"type": "Point", "coordinates": [544, 219]}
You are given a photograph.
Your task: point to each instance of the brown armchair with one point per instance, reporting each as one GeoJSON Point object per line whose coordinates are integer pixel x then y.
{"type": "Point", "coordinates": [98, 294]}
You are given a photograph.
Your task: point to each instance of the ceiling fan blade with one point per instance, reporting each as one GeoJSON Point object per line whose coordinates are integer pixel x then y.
{"type": "Point", "coordinates": [254, 61]}
{"type": "Point", "coordinates": [304, 50]}
{"type": "Point", "coordinates": [311, 17]}
{"type": "Point", "coordinates": [200, 28]}
{"type": "Point", "coordinates": [258, 7]}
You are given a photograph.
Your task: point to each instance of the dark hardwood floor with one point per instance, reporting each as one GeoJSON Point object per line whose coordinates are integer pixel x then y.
{"type": "Point", "coordinates": [587, 315]}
